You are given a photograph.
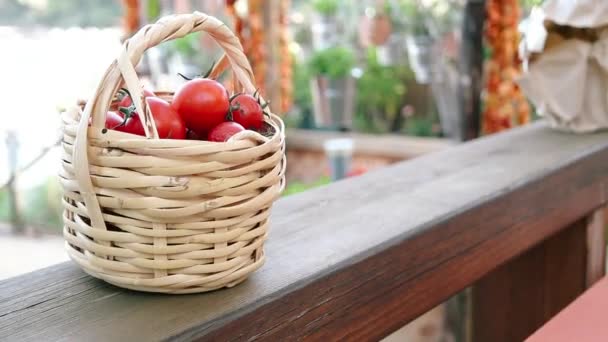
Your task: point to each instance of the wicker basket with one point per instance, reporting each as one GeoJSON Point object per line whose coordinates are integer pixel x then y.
{"type": "Point", "coordinates": [162, 215]}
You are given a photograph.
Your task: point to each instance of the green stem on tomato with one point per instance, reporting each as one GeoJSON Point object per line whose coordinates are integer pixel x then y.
{"type": "Point", "coordinates": [184, 77]}
{"type": "Point", "coordinates": [233, 97]}
{"type": "Point", "coordinates": [123, 92]}
{"type": "Point", "coordinates": [205, 75]}
{"type": "Point", "coordinates": [129, 112]}
{"type": "Point", "coordinates": [210, 70]}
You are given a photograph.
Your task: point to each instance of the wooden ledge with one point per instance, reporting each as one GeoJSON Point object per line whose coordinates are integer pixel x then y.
{"type": "Point", "coordinates": [353, 260]}
{"type": "Point", "coordinates": [398, 147]}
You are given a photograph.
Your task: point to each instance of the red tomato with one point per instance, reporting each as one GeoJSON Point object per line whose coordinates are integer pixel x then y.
{"type": "Point", "coordinates": [190, 135]}
{"type": "Point", "coordinates": [247, 111]}
{"type": "Point", "coordinates": [131, 125]}
{"type": "Point", "coordinates": [113, 120]}
{"type": "Point", "coordinates": [224, 131]}
{"type": "Point", "coordinates": [169, 124]}
{"type": "Point", "coordinates": [126, 100]}
{"type": "Point", "coordinates": [203, 104]}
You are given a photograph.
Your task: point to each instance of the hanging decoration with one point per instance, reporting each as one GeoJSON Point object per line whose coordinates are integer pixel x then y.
{"type": "Point", "coordinates": [249, 22]}
{"type": "Point", "coordinates": [131, 20]}
{"type": "Point", "coordinates": [505, 105]}
{"type": "Point", "coordinates": [286, 63]}
{"type": "Point", "coordinates": [247, 16]}
{"type": "Point", "coordinates": [258, 51]}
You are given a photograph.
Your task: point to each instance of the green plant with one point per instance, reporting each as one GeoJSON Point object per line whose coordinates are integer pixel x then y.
{"type": "Point", "coordinates": [302, 98]}
{"type": "Point", "coordinates": [419, 18]}
{"type": "Point", "coordinates": [153, 10]}
{"type": "Point", "coordinates": [530, 3]}
{"type": "Point", "coordinates": [190, 49]}
{"type": "Point", "coordinates": [380, 94]}
{"type": "Point", "coordinates": [297, 187]}
{"type": "Point", "coordinates": [334, 62]}
{"type": "Point", "coordinates": [421, 126]}
{"type": "Point", "coordinates": [408, 8]}
{"type": "Point", "coordinates": [43, 207]}
{"type": "Point", "coordinates": [4, 206]}
{"type": "Point", "coordinates": [401, 13]}
{"type": "Point", "coordinates": [326, 7]}
{"type": "Point", "coordinates": [415, 18]}
{"type": "Point", "coordinates": [188, 46]}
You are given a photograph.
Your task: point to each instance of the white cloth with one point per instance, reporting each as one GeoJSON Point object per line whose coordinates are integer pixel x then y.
{"type": "Point", "coordinates": [577, 13]}
{"type": "Point", "coordinates": [568, 82]}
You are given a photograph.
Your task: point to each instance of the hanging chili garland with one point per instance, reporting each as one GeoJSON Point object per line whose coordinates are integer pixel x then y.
{"type": "Point", "coordinates": [257, 50]}
{"type": "Point", "coordinates": [249, 28]}
{"type": "Point", "coordinates": [285, 72]}
{"type": "Point", "coordinates": [505, 105]}
{"type": "Point", "coordinates": [131, 20]}
{"type": "Point", "coordinates": [238, 27]}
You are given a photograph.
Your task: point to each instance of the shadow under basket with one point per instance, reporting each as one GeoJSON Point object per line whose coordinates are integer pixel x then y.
{"type": "Point", "coordinates": [164, 215]}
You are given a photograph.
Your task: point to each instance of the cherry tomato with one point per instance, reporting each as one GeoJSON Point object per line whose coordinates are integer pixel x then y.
{"type": "Point", "coordinates": [224, 131]}
{"type": "Point", "coordinates": [169, 124]}
{"type": "Point", "coordinates": [113, 120]}
{"type": "Point", "coordinates": [116, 121]}
{"type": "Point", "coordinates": [203, 104]}
{"type": "Point", "coordinates": [126, 100]}
{"type": "Point", "coordinates": [247, 111]}
{"type": "Point", "coordinates": [190, 135]}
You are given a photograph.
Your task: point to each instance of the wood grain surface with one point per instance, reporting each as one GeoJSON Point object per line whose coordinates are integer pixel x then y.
{"type": "Point", "coordinates": [517, 298]}
{"type": "Point", "coordinates": [354, 260]}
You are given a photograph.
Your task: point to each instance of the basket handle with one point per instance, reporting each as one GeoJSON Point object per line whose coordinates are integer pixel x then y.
{"type": "Point", "coordinates": [167, 28]}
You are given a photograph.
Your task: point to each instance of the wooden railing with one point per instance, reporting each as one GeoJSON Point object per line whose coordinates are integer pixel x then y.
{"type": "Point", "coordinates": [390, 146]}
{"type": "Point", "coordinates": [516, 215]}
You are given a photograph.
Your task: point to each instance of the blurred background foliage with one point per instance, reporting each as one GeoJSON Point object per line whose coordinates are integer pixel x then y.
{"type": "Point", "coordinates": [61, 13]}
{"type": "Point", "coordinates": [297, 187]}
{"type": "Point", "coordinates": [388, 100]}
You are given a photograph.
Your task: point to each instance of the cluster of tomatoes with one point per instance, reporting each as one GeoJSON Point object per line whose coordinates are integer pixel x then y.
{"type": "Point", "coordinates": [201, 109]}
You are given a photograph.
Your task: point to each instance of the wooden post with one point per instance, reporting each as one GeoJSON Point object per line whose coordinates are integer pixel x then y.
{"type": "Point", "coordinates": [12, 145]}
{"type": "Point", "coordinates": [516, 299]}
{"type": "Point", "coordinates": [471, 68]}
{"type": "Point", "coordinates": [469, 97]}
{"type": "Point", "coordinates": [596, 246]}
